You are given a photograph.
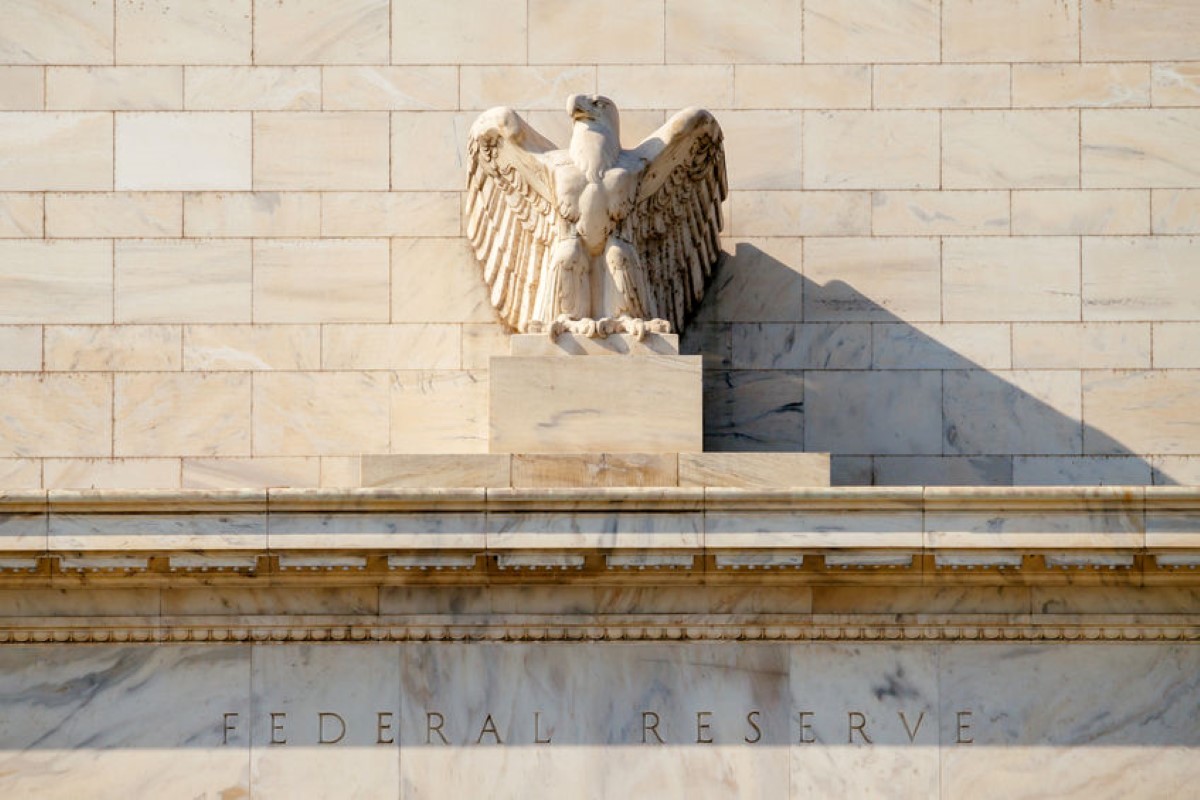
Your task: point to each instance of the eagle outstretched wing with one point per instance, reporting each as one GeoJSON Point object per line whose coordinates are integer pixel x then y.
{"type": "Point", "coordinates": [511, 218]}
{"type": "Point", "coordinates": [676, 219]}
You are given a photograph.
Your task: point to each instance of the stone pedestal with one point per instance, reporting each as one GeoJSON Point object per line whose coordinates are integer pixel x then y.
{"type": "Point", "coordinates": [566, 396]}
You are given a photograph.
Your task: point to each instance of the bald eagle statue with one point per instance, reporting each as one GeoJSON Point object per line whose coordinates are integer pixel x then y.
{"type": "Point", "coordinates": [594, 239]}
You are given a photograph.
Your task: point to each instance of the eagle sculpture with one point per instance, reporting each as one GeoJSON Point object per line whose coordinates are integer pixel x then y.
{"type": "Point", "coordinates": [594, 239]}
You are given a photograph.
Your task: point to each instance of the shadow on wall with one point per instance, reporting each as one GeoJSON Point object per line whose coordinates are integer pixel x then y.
{"type": "Point", "coordinates": [893, 404]}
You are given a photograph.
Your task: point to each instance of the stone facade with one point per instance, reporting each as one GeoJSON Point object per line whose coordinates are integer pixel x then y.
{"type": "Point", "coordinates": [961, 238]}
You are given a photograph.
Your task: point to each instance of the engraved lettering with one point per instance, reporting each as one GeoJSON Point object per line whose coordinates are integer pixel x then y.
{"type": "Point", "coordinates": [757, 730]}
{"type": "Point", "coordinates": [964, 724]}
{"type": "Point", "coordinates": [856, 721]}
{"type": "Point", "coordinates": [381, 725]}
{"type": "Point", "coordinates": [806, 731]}
{"type": "Point", "coordinates": [650, 725]}
{"type": "Point", "coordinates": [489, 726]}
{"type": "Point", "coordinates": [537, 727]}
{"type": "Point", "coordinates": [277, 718]}
{"type": "Point", "coordinates": [230, 716]}
{"type": "Point", "coordinates": [431, 729]}
{"type": "Point", "coordinates": [326, 716]}
{"type": "Point", "coordinates": [912, 732]}
{"type": "Point", "coordinates": [703, 728]}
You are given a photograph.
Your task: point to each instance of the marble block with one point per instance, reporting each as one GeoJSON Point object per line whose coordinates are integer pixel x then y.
{"type": "Point", "coordinates": [549, 404]}
{"type": "Point", "coordinates": [574, 344]}
{"type": "Point", "coordinates": [754, 470]}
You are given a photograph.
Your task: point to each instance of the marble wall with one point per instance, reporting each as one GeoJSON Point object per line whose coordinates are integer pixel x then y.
{"type": "Point", "coordinates": [960, 239]}
{"type": "Point", "coordinates": [600, 720]}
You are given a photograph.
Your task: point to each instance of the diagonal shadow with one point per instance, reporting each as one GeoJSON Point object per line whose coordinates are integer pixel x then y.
{"type": "Point", "coordinates": [891, 403]}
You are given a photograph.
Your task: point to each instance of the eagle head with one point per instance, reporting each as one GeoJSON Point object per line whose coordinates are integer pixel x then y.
{"type": "Point", "coordinates": [596, 140]}
{"type": "Point", "coordinates": [595, 110]}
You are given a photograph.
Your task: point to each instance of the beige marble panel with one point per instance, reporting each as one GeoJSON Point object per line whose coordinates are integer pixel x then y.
{"type": "Point", "coordinates": [250, 473]}
{"type": "Point", "coordinates": [1080, 85]}
{"type": "Point", "coordinates": [878, 412]}
{"type": "Point", "coordinates": [415, 88]}
{"type": "Point", "coordinates": [802, 86]}
{"type": "Point", "coordinates": [1140, 30]}
{"type": "Point", "coordinates": [67, 602]}
{"type": "Point", "coordinates": [1175, 210]}
{"type": "Point", "coordinates": [428, 150]}
{"type": "Point", "coordinates": [341, 472]}
{"type": "Point", "coordinates": [436, 471]}
{"type": "Point", "coordinates": [1018, 412]}
{"type": "Point", "coordinates": [317, 32]}
{"type": "Point", "coordinates": [188, 414]}
{"type": "Point", "coordinates": [21, 215]}
{"type": "Point", "coordinates": [328, 280]}
{"type": "Point", "coordinates": [759, 280]}
{"type": "Point", "coordinates": [321, 150]}
{"type": "Point", "coordinates": [251, 347]}
{"type": "Point", "coordinates": [437, 280]}
{"type": "Point", "coordinates": [1175, 345]}
{"type": "Point", "coordinates": [1019, 30]}
{"type": "Point", "coordinates": [390, 213]}
{"type": "Point", "coordinates": [20, 348]}
{"type": "Point", "coordinates": [542, 470]}
{"type": "Point", "coordinates": [1080, 470]}
{"type": "Point", "coordinates": [940, 213]}
{"type": "Point", "coordinates": [21, 473]}
{"type": "Point", "coordinates": [1141, 148]}
{"type": "Point", "coordinates": [421, 346]}
{"type": "Point", "coordinates": [1176, 470]}
{"type": "Point", "coordinates": [110, 473]}
{"type": "Point", "coordinates": [194, 150]}
{"type": "Point", "coordinates": [579, 529]}
{"type": "Point", "coordinates": [481, 341]}
{"type": "Point", "coordinates": [1135, 740]}
{"type": "Point", "coordinates": [74, 415]}
{"type": "Point", "coordinates": [941, 86]}
{"type": "Point", "coordinates": [439, 412]}
{"type": "Point", "coordinates": [870, 150]}
{"type": "Point", "coordinates": [117, 215]}
{"type": "Point", "coordinates": [704, 32]}
{"type": "Point", "coordinates": [221, 214]}
{"type": "Point", "coordinates": [1010, 149]}
{"type": "Point", "coordinates": [791, 530]}
{"type": "Point", "coordinates": [270, 600]}
{"type": "Point", "coordinates": [57, 32]}
{"type": "Point", "coordinates": [1081, 345]}
{"type": "Point", "coordinates": [1175, 84]}
{"type": "Point", "coordinates": [871, 31]}
{"type": "Point", "coordinates": [1019, 279]}
{"type": "Point", "coordinates": [763, 149]}
{"type": "Point", "coordinates": [114, 88]}
{"type": "Point", "coordinates": [575, 344]}
{"type": "Point", "coordinates": [313, 413]}
{"type": "Point", "coordinates": [1140, 278]}
{"type": "Point", "coordinates": [528, 87]}
{"type": "Point", "coordinates": [22, 88]}
{"type": "Point", "coordinates": [63, 150]}
{"type": "Point", "coordinates": [650, 404]}
{"type": "Point", "coordinates": [629, 33]}
{"type": "Point", "coordinates": [56, 281]}
{"type": "Point", "coordinates": [921, 600]}
{"type": "Point", "coordinates": [379, 531]}
{"type": "Point", "coordinates": [669, 86]}
{"type": "Point", "coordinates": [791, 345]}
{"type": "Point", "coordinates": [1141, 411]}
{"type": "Point", "coordinates": [1094, 212]}
{"type": "Point", "coordinates": [800, 214]}
{"type": "Point", "coordinates": [467, 32]}
{"type": "Point", "coordinates": [935, 345]}
{"type": "Point", "coordinates": [163, 32]}
{"type": "Point", "coordinates": [872, 279]}
{"type": "Point", "coordinates": [754, 470]}
{"type": "Point", "coordinates": [183, 281]}
{"type": "Point", "coordinates": [251, 88]}
{"type": "Point", "coordinates": [116, 348]}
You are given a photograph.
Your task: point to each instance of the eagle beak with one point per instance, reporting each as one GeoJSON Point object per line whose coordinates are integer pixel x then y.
{"type": "Point", "coordinates": [576, 107]}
